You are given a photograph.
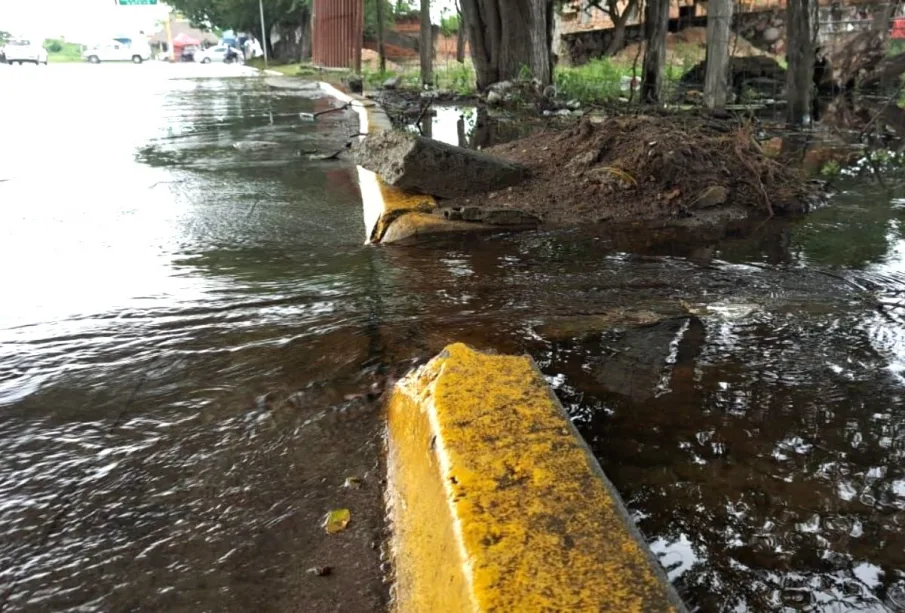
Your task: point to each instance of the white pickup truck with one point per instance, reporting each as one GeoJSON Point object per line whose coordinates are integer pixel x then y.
{"type": "Point", "coordinates": [20, 51]}
{"type": "Point", "coordinates": [116, 51]}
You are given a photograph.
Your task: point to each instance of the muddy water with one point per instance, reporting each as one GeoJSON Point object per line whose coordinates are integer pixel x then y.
{"type": "Point", "coordinates": [190, 331]}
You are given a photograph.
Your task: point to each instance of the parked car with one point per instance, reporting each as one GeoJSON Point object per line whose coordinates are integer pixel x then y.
{"type": "Point", "coordinates": [118, 51]}
{"type": "Point", "coordinates": [220, 53]}
{"type": "Point", "coordinates": [20, 51]}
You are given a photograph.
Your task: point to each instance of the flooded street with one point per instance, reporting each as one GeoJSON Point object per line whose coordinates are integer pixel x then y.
{"type": "Point", "coordinates": [194, 338]}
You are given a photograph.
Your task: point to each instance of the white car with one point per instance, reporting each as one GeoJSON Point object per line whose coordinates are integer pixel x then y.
{"type": "Point", "coordinates": [214, 54]}
{"type": "Point", "coordinates": [21, 51]}
{"type": "Point", "coordinates": [115, 51]}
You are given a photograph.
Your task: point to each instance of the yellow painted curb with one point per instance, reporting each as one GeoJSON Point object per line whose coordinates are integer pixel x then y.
{"type": "Point", "coordinates": [497, 504]}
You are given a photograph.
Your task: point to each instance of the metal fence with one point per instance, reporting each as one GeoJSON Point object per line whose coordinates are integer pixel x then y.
{"type": "Point", "coordinates": [337, 33]}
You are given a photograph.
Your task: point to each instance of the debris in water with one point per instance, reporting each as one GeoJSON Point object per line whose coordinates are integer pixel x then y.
{"type": "Point", "coordinates": [352, 482]}
{"type": "Point", "coordinates": [337, 520]}
{"type": "Point", "coordinates": [320, 571]}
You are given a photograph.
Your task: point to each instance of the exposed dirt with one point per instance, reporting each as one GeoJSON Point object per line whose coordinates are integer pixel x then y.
{"type": "Point", "coordinates": [645, 168]}
{"type": "Point", "coordinates": [688, 45]}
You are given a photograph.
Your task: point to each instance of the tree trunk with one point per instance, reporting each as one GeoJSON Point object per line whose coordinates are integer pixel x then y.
{"type": "Point", "coordinates": [306, 35]}
{"type": "Point", "coordinates": [618, 40]}
{"type": "Point", "coordinates": [460, 36]}
{"type": "Point", "coordinates": [800, 75]}
{"type": "Point", "coordinates": [381, 49]}
{"type": "Point", "coordinates": [507, 35]}
{"type": "Point", "coordinates": [426, 44]}
{"type": "Point", "coordinates": [422, 165]}
{"type": "Point", "coordinates": [656, 18]}
{"type": "Point", "coordinates": [719, 20]}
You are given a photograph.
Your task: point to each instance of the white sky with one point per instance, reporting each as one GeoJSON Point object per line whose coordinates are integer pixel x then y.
{"type": "Point", "coordinates": [84, 21]}
{"type": "Point", "coordinates": [89, 21]}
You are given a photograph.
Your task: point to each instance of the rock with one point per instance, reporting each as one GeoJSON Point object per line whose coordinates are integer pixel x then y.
{"type": "Point", "coordinates": [423, 165]}
{"type": "Point", "coordinates": [495, 217]}
{"type": "Point", "coordinates": [712, 196]}
{"type": "Point", "coordinates": [502, 87]}
{"type": "Point", "coordinates": [771, 34]}
{"type": "Point", "coordinates": [254, 145]}
{"type": "Point", "coordinates": [573, 105]}
{"type": "Point", "coordinates": [355, 84]}
{"type": "Point", "coordinates": [582, 161]}
{"type": "Point", "coordinates": [550, 92]}
{"type": "Point", "coordinates": [494, 98]}
{"type": "Point", "coordinates": [580, 326]}
{"type": "Point", "coordinates": [392, 82]}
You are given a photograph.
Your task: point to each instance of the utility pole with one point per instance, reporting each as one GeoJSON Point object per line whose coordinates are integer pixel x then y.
{"type": "Point", "coordinates": [263, 32]}
{"type": "Point", "coordinates": [427, 45]}
{"type": "Point", "coordinates": [169, 27]}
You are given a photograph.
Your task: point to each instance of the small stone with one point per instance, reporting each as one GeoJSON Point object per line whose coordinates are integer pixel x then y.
{"type": "Point", "coordinates": [320, 571]}
{"type": "Point", "coordinates": [392, 82]}
{"type": "Point", "coordinates": [573, 105]}
{"type": "Point", "coordinates": [714, 195]}
{"type": "Point", "coordinates": [502, 87]}
{"type": "Point", "coordinates": [494, 98]}
{"type": "Point", "coordinates": [355, 83]}
{"type": "Point", "coordinates": [771, 35]}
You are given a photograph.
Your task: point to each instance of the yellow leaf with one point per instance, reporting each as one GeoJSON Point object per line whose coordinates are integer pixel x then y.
{"type": "Point", "coordinates": [337, 520]}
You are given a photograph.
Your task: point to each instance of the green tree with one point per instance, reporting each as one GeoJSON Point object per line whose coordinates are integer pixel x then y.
{"type": "Point", "coordinates": [449, 25]}
{"type": "Point", "coordinates": [244, 15]}
{"type": "Point", "coordinates": [4, 37]}
{"type": "Point", "coordinates": [371, 16]}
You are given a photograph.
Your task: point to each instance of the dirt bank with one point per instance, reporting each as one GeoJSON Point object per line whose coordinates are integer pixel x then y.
{"type": "Point", "coordinates": [645, 168]}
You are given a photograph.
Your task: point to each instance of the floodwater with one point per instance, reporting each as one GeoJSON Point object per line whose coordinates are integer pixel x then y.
{"type": "Point", "coordinates": [165, 289]}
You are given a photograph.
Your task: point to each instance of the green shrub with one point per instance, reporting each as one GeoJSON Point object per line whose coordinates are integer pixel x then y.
{"type": "Point", "coordinates": [597, 80]}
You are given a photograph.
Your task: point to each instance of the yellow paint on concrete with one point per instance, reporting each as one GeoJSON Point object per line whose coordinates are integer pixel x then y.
{"type": "Point", "coordinates": [396, 203]}
{"type": "Point", "coordinates": [498, 505]}
{"type": "Point", "coordinates": [412, 225]}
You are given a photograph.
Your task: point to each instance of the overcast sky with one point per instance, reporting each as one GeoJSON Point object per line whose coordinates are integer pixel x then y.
{"type": "Point", "coordinates": [88, 21]}
{"type": "Point", "coordinates": [78, 20]}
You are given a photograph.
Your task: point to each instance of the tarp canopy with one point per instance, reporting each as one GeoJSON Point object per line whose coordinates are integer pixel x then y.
{"type": "Point", "coordinates": [184, 40]}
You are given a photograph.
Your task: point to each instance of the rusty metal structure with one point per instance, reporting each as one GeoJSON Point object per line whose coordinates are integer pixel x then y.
{"type": "Point", "coordinates": [337, 28]}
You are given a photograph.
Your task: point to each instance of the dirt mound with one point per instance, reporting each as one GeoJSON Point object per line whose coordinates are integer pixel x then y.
{"type": "Point", "coordinates": [646, 168]}
{"type": "Point", "coordinates": [371, 59]}
{"type": "Point", "coordinates": [741, 71]}
{"type": "Point", "coordinates": [688, 46]}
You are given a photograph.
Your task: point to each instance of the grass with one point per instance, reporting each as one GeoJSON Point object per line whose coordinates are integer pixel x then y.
{"type": "Point", "coordinates": [599, 80]}
{"type": "Point", "coordinates": [596, 81]}
{"type": "Point", "coordinates": [450, 75]}
{"type": "Point", "coordinates": [290, 70]}
{"type": "Point", "coordinates": [59, 51]}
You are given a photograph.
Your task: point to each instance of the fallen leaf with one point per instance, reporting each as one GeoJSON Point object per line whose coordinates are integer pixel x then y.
{"type": "Point", "coordinates": [337, 520]}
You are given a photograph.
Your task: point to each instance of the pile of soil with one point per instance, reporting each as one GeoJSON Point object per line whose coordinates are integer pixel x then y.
{"type": "Point", "coordinates": [688, 45]}
{"type": "Point", "coordinates": [640, 168]}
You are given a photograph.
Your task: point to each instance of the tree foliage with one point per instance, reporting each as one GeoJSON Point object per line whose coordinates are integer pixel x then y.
{"type": "Point", "coordinates": [242, 15]}
{"type": "Point", "coordinates": [4, 37]}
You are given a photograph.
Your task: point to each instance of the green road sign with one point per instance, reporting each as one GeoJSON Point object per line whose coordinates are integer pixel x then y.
{"type": "Point", "coordinates": [134, 2]}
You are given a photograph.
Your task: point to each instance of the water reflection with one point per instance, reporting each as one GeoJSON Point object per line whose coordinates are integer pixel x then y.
{"type": "Point", "coordinates": [188, 349]}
